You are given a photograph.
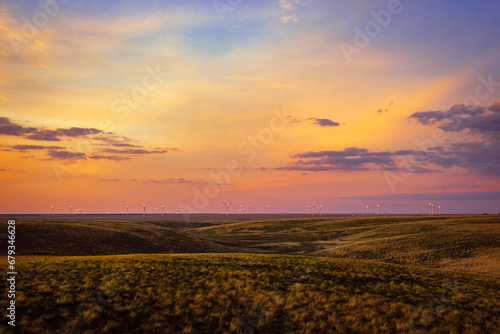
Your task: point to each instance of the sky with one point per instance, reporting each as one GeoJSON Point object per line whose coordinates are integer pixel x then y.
{"type": "Point", "coordinates": [269, 105]}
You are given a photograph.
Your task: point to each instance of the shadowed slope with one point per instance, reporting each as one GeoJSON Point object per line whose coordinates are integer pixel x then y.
{"type": "Point", "coordinates": [108, 237]}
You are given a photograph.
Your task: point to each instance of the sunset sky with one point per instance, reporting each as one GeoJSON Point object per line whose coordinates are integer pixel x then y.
{"type": "Point", "coordinates": [105, 104]}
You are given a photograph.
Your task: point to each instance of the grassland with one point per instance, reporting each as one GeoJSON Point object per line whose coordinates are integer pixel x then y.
{"type": "Point", "coordinates": [468, 243]}
{"type": "Point", "coordinates": [67, 237]}
{"type": "Point", "coordinates": [243, 293]}
{"type": "Point", "coordinates": [332, 275]}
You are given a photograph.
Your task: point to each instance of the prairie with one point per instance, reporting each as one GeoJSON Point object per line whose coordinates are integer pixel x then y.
{"type": "Point", "coordinates": [244, 293]}
{"type": "Point", "coordinates": [321, 275]}
{"type": "Point", "coordinates": [462, 243]}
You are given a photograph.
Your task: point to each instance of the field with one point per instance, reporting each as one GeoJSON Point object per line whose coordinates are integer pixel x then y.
{"type": "Point", "coordinates": [469, 244]}
{"type": "Point", "coordinates": [66, 237]}
{"type": "Point", "coordinates": [217, 293]}
{"type": "Point", "coordinates": [338, 275]}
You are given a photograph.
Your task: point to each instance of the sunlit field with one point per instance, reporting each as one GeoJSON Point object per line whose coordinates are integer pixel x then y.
{"type": "Point", "coordinates": [241, 293]}
{"type": "Point", "coordinates": [466, 243]}
{"type": "Point", "coordinates": [338, 275]}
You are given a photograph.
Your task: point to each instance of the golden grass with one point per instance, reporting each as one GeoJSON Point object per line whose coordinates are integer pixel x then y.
{"type": "Point", "coordinates": [235, 293]}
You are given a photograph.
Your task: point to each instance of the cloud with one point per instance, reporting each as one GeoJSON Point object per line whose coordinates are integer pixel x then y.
{"type": "Point", "coordinates": [58, 154]}
{"type": "Point", "coordinates": [125, 145]}
{"type": "Point", "coordinates": [451, 186]}
{"type": "Point", "coordinates": [7, 127]}
{"type": "Point", "coordinates": [46, 135]}
{"type": "Point", "coordinates": [495, 107]}
{"type": "Point", "coordinates": [481, 156]}
{"type": "Point", "coordinates": [385, 109]}
{"type": "Point", "coordinates": [349, 159]}
{"type": "Point", "coordinates": [109, 139]}
{"type": "Point", "coordinates": [348, 152]}
{"type": "Point", "coordinates": [110, 180]}
{"type": "Point", "coordinates": [287, 19]}
{"type": "Point", "coordinates": [140, 151]}
{"type": "Point", "coordinates": [22, 148]}
{"type": "Point", "coordinates": [456, 196]}
{"type": "Point", "coordinates": [324, 122]}
{"type": "Point", "coordinates": [488, 123]}
{"type": "Point", "coordinates": [477, 156]}
{"type": "Point", "coordinates": [360, 159]}
{"type": "Point", "coordinates": [108, 157]}
{"type": "Point", "coordinates": [78, 132]}
{"type": "Point", "coordinates": [171, 181]}
{"type": "Point", "coordinates": [12, 129]}
{"type": "Point", "coordinates": [460, 117]}
{"type": "Point", "coordinates": [286, 5]}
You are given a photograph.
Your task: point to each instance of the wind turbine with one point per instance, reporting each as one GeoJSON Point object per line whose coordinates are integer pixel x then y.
{"type": "Point", "coordinates": [366, 210]}
{"type": "Point", "coordinates": [313, 208]}
{"type": "Point", "coordinates": [127, 209]}
{"type": "Point", "coordinates": [378, 209]}
{"type": "Point", "coordinates": [187, 209]}
{"type": "Point", "coordinates": [439, 209]}
{"type": "Point", "coordinates": [52, 210]}
{"type": "Point", "coordinates": [242, 208]}
{"type": "Point", "coordinates": [143, 209]}
{"type": "Point", "coordinates": [162, 209]}
{"type": "Point", "coordinates": [431, 208]}
{"type": "Point", "coordinates": [227, 207]}
{"type": "Point", "coordinates": [70, 209]}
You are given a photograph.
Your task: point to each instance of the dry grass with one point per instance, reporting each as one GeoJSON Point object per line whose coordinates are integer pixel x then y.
{"type": "Point", "coordinates": [467, 243]}
{"type": "Point", "coordinates": [66, 237]}
{"type": "Point", "coordinates": [243, 293]}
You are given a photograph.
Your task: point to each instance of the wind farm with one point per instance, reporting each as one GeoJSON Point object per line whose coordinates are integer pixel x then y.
{"type": "Point", "coordinates": [243, 212]}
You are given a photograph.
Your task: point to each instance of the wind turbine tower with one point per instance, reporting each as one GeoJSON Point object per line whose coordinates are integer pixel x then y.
{"type": "Point", "coordinates": [143, 209]}
{"type": "Point", "coordinates": [430, 208]}
{"type": "Point", "coordinates": [227, 207]}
